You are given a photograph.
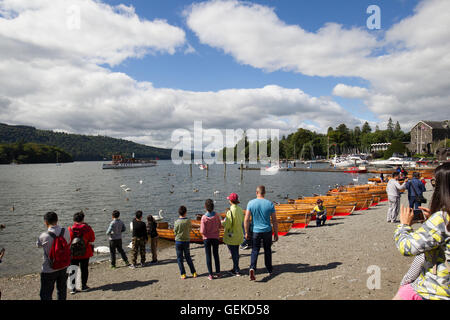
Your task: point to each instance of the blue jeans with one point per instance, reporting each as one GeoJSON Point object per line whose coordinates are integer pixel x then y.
{"type": "Point", "coordinates": [413, 204]}
{"type": "Point", "coordinates": [321, 221]}
{"type": "Point", "coordinates": [266, 238]}
{"type": "Point", "coordinates": [214, 244]}
{"type": "Point", "coordinates": [234, 250]}
{"type": "Point", "coordinates": [183, 251]}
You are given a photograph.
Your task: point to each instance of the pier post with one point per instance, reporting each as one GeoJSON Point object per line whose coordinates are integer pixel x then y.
{"type": "Point", "coordinates": [207, 170]}
{"type": "Point", "coordinates": [190, 169]}
{"type": "Point", "coordinates": [224, 169]}
{"type": "Point", "coordinates": [242, 171]}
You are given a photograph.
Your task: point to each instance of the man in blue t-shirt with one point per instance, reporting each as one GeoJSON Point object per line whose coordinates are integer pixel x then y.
{"type": "Point", "coordinates": [261, 211]}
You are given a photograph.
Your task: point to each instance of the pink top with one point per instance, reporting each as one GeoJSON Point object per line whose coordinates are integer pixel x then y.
{"type": "Point", "coordinates": [210, 227]}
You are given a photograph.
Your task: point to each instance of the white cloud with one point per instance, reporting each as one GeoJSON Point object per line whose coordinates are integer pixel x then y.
{"type": "Point", "coordinates": [352, 92]}
{"type": "Point", "coordinates": [55, 80]}
{"type": "Point", "coordinates": [90, 99]}
{"type": "Point", "coordinates": [84, 29]}
{"type": "Point", "coordinates": [255, 36]}
{"type": "Point", "coordinates": [409, 82]}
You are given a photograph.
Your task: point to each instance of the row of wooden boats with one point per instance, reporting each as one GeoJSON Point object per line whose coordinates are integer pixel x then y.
{"type": "Point", "coordinates": [298, 213]}
{"type": "Point", "coordinates": [339, 202]}
{"type": "Point", "coordinates": [425, 173]}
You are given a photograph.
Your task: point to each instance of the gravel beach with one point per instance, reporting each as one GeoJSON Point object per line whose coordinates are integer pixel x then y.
{"type": "Point", "coordinates": [328, 263]}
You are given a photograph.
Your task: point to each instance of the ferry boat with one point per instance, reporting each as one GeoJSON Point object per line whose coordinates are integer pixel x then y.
{"type": "Point", "coordinates": [119, 162]}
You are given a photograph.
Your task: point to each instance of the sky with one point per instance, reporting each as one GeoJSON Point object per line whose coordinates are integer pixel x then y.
{"type": "Point", "coordinates": [140, 70]}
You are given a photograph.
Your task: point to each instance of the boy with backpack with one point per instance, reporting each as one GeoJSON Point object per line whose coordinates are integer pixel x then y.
{"type": "Point", "coordinates": [55, 243]}
{"type": "Point", "coordinates": [115, 229]}
{"type": "Point", "coordinates": [82, 237]}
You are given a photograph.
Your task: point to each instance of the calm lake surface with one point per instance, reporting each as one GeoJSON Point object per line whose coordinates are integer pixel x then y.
{"type": "Point", "coordinates": [34, 190]}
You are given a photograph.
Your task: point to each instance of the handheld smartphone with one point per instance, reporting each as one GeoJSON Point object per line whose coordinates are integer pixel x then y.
{"type": "Point", "coordinates": [418, 215]}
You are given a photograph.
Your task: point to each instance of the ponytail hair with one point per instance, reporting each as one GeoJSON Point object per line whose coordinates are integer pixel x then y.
{"type": "Point", "coordinates": [441, 196]}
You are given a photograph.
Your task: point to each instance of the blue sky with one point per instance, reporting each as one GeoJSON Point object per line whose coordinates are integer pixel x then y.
{"type": "Point", "coordinates": [210, 69]}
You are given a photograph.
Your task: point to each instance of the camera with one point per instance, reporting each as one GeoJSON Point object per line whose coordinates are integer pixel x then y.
{"type": "Point", "coordinates": [418, 216]}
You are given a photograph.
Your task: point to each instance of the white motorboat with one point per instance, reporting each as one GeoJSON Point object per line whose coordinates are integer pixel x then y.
{"type": "Point", "coordinates": [349, 161]}
{"type": "Point", "coordinates": [274, 168]}
{"type": "Point", "coordinates": [393, 162]}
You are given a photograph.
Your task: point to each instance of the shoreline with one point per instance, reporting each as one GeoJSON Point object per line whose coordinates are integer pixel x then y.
{"type": "Point", "coordinates": [328, 263]}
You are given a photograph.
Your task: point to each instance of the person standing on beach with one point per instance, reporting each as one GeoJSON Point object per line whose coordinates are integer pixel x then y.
{"type": "Point", "coordinates": [233, 233]}
{"type": "Point", "coordinates": [210, 230]}
{"type": "Point", "coordinates": [415, 188]}
{"type": "Point", "coordinates": [430, 240]}
{"type": "Point", "coordinates": [261, 211]}
{"type": "Point", "coordinates": [49, 275]}
{"type": "Point", "coordinates": [393, 189]}
{"type": "Point", "coordinates": [139, 240]}
{"type": "Point", "coordinates": [82, 238]}
{"type": "Point", "coordinates": [182, 231]}
{"type": "Point", "coordinates": [115, 229]}
{"type": "Point", "coordinates": [152, 233]}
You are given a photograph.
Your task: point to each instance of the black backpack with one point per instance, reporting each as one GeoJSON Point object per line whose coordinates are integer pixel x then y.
{"type": "Point", "coordinates": [78, 245]}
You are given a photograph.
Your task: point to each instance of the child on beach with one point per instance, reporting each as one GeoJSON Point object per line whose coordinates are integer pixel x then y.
{"type": "Point", "coordinates": [210, 230]}
{"type": "Point", "coordinates": [82, 238]}
{"type": "Point", "coordinates": [321, 213]}
{"type": "Point", "coordinates": [139, 239]}
{"type": "Point", "coordinates": [233, 233]}
{"type": "Point", "coordinates": [182, 231]}
{"type": "Point", "coordinates": [152, 233]}
{"type": "Point", "coordinates": [115, 229]}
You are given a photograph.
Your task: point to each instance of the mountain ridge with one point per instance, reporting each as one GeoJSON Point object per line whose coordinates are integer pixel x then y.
{"type": "Point", "coordinates": [81, 147]}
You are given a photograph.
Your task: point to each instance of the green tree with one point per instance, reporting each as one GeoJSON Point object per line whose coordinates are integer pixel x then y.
{"type": "Point", "coordinates": [366, 128]}
{"type": "Point", "coordinates": [395, 147]}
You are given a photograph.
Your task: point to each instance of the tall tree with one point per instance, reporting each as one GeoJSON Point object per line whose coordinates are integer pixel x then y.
{"type": "Point", "coordinates": [366, 128]}
{"type": "Point", "coordinates": [390, 125]}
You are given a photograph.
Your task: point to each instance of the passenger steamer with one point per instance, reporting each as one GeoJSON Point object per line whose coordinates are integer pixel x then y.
{"type": "Point", "coordinates": [118, 162]}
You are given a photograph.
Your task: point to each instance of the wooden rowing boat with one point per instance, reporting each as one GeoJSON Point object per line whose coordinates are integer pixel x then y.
{"type": "Point", "coordinates": [165, 232]}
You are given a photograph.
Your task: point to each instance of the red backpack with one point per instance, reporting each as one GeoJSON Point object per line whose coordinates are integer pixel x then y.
{"type": "Point", "coordinates": [59, 255]}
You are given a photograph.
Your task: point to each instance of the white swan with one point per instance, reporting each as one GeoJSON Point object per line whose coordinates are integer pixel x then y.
{"type": "Point", "coordinates": [141, 182]}
{"type": "Point", "coordinates": [159, 217]}
{"type": "Point", "coordinates": [123, 186]}
{"type": "Point", "coordinates": [216, 193]}
{"type": "Point", "coordinates": [101, 250]}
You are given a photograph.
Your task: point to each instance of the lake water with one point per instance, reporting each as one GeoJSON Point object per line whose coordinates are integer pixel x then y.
{"type": "Point", "coordinates": [36, 189]}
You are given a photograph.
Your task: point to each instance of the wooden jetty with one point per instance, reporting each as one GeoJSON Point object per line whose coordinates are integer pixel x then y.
{"type": "Point", "coordinates": [297, 169]}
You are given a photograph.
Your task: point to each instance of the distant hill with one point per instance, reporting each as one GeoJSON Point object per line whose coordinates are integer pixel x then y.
{"type": "Point", "coordinates": [32, 153]}
{"type": "Point", "coordinates": [81, 147]}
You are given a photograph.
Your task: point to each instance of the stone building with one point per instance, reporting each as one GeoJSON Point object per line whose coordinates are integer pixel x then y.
{"type": "Point", "coordinates": [429, 136]}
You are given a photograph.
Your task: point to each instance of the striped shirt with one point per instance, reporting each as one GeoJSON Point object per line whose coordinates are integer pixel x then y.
{"type": "Point", "coordinates": [432, 239]}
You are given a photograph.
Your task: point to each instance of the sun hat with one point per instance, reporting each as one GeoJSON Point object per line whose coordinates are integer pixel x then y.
{"type": "Point", "coordinates": [233, 198]}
